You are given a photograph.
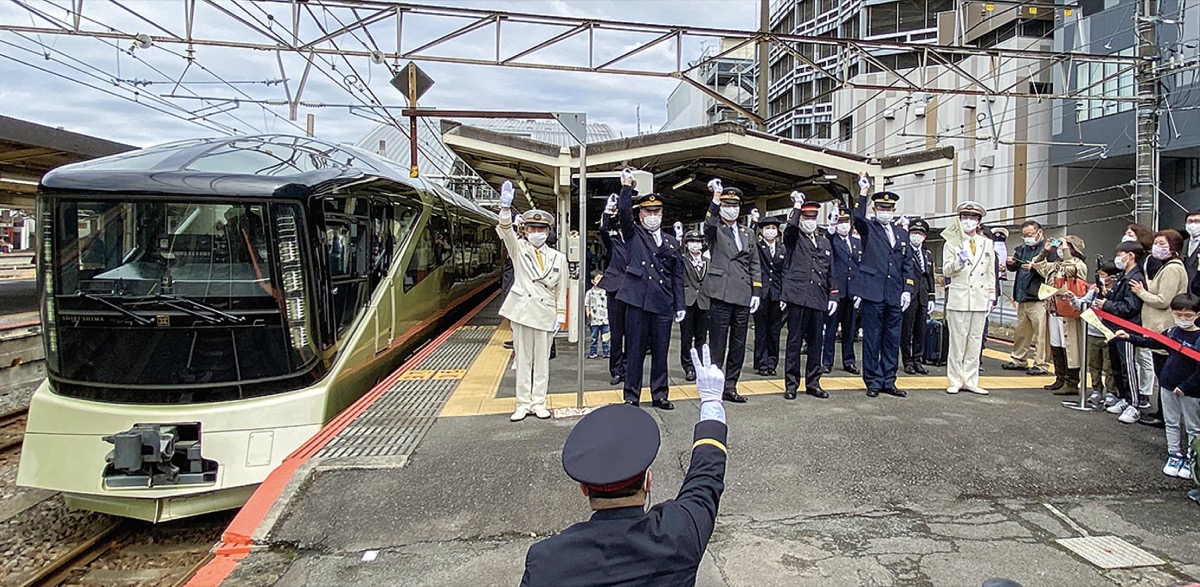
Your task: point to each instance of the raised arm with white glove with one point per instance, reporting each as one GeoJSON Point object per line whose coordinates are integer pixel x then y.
{"type": "Point", "coordinates": [864, 183]}
{"type": "Point", "coordinates": [678, 231]}
{"type": "Point", "coordinates": [797, 200]}
{"type": "Point", "coordinates": [754, 216]}
{"type": "Point", "coordinates": [627, 176]}
{"type": "Point", "coordinates": [506, 194]}
{"type": "Point", "coordinates": [710, 384]}
{"type": "Point", "coordinates": [714, 185]}
{"type": "Point", "coordinates": [610, 207]}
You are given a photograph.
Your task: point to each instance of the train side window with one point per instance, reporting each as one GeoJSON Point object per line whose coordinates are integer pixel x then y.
{"type": "Point", "coordinates": [432, 249]}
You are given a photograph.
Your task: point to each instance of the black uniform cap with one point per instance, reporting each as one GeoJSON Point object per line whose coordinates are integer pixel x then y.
{"type": "Point", "coordinates": [650, 202]}
{"type": "Point", "coordinates": [611, 446]}
{"type": "Point", "coordinates": [693, 235]}
{"type": "Point", "coordinates": [731, 196]}
{"type": "Point", "coordinates": [885, 198]}
{"type": "Point", "coordinates": [919, 224]}
{"type": "Point", "coordinates": [769, 221]}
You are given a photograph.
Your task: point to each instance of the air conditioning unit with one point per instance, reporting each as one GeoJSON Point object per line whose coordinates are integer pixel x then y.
{"type": "Point", "coordinates": [988, 162]}
{"type": "Point", "coordinates": [919, 111]}
{"type": "Point", "coordinates": [968, 165]}
{"type": "Point", "coordinates": [889, 114]}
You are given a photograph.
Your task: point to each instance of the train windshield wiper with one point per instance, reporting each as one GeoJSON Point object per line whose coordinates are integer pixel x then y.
{"type": "Point", "coordinates": [174, 301]}
{"type": "Point", "coordinates": [118, 307]}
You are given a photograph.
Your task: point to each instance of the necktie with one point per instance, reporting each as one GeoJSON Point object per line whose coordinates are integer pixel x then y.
{"type": "Point", "coordinates": [891, 235]}
{"type": "Point", "coordinates": [921, 259]}
{"type": "Point", "coordinates": [737, 241]}
{"type": "Point", "coordinates": [541, 264]}
{"type": "Point", "coordinates": [972, 246]}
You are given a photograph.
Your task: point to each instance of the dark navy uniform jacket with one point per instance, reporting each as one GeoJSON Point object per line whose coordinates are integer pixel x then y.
{"type": "Point", "coordinates": [693, 291]}
{"type": "Point", "coordinates": [618, 259]}
{"type": "Point", "coordinates": [627, 546]}
{"type": "Point", "coordinates": [886, 270]}
{"type": "Point", "coordinates": [653, 273]}
{"type": "Point", "coordinates": [925, 280]}
{"type": "Point", "coordinates": [806, 283]}
{"type": "Point", "coordinates": [846, 258]}
{"type": "Point", "coordinates": [772, 270]}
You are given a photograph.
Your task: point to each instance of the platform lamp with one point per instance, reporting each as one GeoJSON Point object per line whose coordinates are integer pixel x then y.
{"type": "Point", "coordinates": [683, 182]}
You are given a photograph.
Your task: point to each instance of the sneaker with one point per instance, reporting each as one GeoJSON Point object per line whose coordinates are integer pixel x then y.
{"type": "Point", "coordinates": [1174, 462]}
{"type": "Point", "coordinates": [518, 415]}
{"type": "Point", "coordinates": [1118, 407]}
{"type": "Point", "coordinates": [591, 356]}
{"type": "Point", "coordinates": [1194, 495]}
{"type": "Point", "coordinates": [1110, 399]}
{"type": "Point", "coordinates": [1037, 370]}
{"type": "Point", "coordinates": [1094, 399]}
{"type": "Point", "coordinates": [1186, 470]}
{"type": "Point", "coordinates": [541, 412]}
{"type": "Point", "coordinates": [1143, 402]}
{"type": "Point", "coordinates": [1013, 366]}
{"type": "Point", "coordinates": [1130, 415]}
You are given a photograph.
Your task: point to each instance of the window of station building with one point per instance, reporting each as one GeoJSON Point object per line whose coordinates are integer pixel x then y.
{"type": "Point", "coordinates": [1096, 84]}
{"type": "Point", "coordinates": [823, 130]}
{"type": "Point", "coordinates": [807, 10]}
{"type": "Point", "coordinates": [826, 6]}
{"type": "Point", "coordinates": [846, 128]}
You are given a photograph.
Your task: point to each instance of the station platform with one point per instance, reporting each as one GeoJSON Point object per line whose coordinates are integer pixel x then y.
{"type": "Point", "coordinates": [426, 482]}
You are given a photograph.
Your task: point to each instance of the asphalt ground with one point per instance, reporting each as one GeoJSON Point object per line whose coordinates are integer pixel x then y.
{"type": "Point", "coordinates": [926, 490]}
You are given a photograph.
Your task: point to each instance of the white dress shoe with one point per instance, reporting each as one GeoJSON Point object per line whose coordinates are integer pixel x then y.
{"type": "Point", "coordinates": [541, 412]}
{"type": "Point", "coordinates": [952, 390]}
{"type": "Point", "coordinates": [977, 390]}
{"type": "Point", "coordinates": [518, 415]}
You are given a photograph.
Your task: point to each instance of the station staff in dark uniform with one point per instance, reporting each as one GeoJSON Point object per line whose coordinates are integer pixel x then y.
{"type": "Point", "coordinates": [609, 453]}
{"type": "Point", "coordinates": [886, 288]}
{"type": "Point", "coordinates": [807, 295]}
{"type": "Point", "coordinates": [732, 285]}
{"type": "Point", "coordinates": [652, 292]}
{"type": "Point", "coordinates": [768, 320]}
{"type": "Point", "coordinates": [847, 253]}
{"type": "Point", "coordinates": [912, 332]}
{"type": "Point", "coordinates": [693, 331]}
{"type": "Point", "coordinates": [610, 282]}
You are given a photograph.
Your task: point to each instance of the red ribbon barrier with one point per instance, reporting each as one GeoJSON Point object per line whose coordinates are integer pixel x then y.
{"type": "Point", "coordinates": [1132, 328]}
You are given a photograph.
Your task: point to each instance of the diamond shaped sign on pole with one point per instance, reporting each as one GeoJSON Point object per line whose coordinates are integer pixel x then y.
{"type": "Point", "coordinates": [412, 82]}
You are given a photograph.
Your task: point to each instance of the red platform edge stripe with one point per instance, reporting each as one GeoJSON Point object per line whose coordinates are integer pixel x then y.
{"type": "Point", "coordinates": [236, 540]}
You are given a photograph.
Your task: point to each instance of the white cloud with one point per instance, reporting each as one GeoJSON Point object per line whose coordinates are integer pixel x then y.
{"type": "Point", "coordinates": [44, 98]}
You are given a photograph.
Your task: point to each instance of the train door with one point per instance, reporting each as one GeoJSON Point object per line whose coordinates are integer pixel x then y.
{"type": "Point", "coordinates": [383, 249]}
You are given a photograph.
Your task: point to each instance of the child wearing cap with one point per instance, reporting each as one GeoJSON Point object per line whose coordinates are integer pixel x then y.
{"type": "Point", "coordinates": [1099, 367]}
{"type": "Point", "coordinates": [595, 306]}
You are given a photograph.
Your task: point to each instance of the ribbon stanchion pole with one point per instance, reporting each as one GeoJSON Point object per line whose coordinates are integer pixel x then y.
{"type": "Point", "coordinates": [1083, 371]}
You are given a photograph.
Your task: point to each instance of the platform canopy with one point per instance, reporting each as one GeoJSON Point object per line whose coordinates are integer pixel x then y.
{"type": "Point", "coordinates": [765, 167]}
{"type": "Point", "coordinates": [29, 150]}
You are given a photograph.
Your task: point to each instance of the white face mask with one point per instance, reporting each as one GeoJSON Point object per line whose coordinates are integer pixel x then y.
{"type": "Point", "coordinates": [652, 222]}
{"type": "Point", "coordinates": [1185, 324]}
{"type": "Point", "coordinates": [695, 247]}
{"type": "Point", "coordinates": [770, 233]}
{"type": "Point", "coordinates": [884, 216]}
{"type": "Point", "coordinates": [537, 239]}
{"type": "Point", "coordinates": [730, 213]}
{"type": "Point", "coordinates": [968, 224]}
{"type": "Point", "coordinates": [808, 226]}
{"type": "Point", "coordinates": [1193, 229]}
{"type": "Point", "coordinates": [843, 229]}
{"type": "Point", "coordinates": [1119, 262]}
{"type": "Point", "coordinates": [1128, 239]}
{"type": "Point", "coordinates": [1160, 253]}
{"type": "Point", "coordinates": [916, 239]}
{"type": "Point", "coordinates": [1064, 253]}
{"type": "Point", "coordinates": [1029, 241]}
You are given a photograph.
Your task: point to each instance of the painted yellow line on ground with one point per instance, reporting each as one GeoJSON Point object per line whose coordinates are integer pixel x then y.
{"type": "Point", "coordinates": [482, 378]}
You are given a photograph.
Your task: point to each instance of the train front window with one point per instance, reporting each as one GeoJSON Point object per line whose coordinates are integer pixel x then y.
{"type": "Point", "coordinates": [211, 296]}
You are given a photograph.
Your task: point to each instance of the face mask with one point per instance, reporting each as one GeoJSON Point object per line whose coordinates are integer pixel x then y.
{"type": "Point", "coordinates": [695, 247]}
{"type": "Point", "coordinates": [916, 239]}
{"type": "Point", "coordinates": [770, 233]}
{"type": "Point", "coordinates": [1193, 229]}
{"type": "Point", "coordinates": [1128, 239]}
{"type": "Point", "coordinates": [1064, 253]}
{"type": "Point", "coordinates": [1119, 262]}
{"type": "Point", "coordinates": [537, 239]}
{"type": "Point", "coordinates": [1029, 241]}
{"type": "Point", "coordinates": [968, 224]}
{"type": "Point", "coordinates": [730, 214]}
{"type": "Point", "coordinates": [884, 216]}
{"type": "Point", "coordinates": [1185, 324]}
{"type": "Point", "coordinates": [1160, 253]}
{"type": "Point", "coordinates": [652, 222]}
{"type": "Point", "coordinates": [843, 229]}
{"type": "Point", "coordinates": [808, 226]}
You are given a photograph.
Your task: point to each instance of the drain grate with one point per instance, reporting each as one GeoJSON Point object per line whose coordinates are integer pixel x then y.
{"type": "Point", "coordinates": [1110, 552]}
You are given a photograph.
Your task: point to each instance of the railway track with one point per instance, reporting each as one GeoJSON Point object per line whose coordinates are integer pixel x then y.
{"type": "Point", "coordinates": [12, 429]}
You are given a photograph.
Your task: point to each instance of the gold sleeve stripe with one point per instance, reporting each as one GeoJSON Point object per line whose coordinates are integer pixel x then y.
{"type": "Point", "coordinates": [908, 281]}
{"type": "Point", "coordinates": [757, 284]}
{"type": "Point", "coordinates": [712, 442]}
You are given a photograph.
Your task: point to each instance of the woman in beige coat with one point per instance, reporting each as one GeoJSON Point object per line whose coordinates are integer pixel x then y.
{"type": "Point", "coordinates": [1066, 348]}
{"type": "Point", "coordinates": [1156, 294]}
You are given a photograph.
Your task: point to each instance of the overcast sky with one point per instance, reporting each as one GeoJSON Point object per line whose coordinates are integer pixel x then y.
{"type": "Point", "coordinates": [43, 97]}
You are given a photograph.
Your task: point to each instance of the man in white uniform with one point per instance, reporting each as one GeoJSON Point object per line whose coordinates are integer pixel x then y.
{"type": "Point", "coordinates": [536, 305]}
{"type": "Point", "coordinates": [970, 266]}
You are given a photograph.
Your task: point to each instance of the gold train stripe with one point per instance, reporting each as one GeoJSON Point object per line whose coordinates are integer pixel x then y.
{"type": "Point", "coordinates": [712, 442]}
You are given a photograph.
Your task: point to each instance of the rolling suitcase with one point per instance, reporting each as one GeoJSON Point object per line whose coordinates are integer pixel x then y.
{"type": "Point", "coordinates": [937, 342]}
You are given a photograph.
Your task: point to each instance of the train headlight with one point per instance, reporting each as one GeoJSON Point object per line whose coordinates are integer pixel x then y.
{"type": "Point", "coordinates": [47, 261]}
{"type": "Point", "coordinates": [295, 302]}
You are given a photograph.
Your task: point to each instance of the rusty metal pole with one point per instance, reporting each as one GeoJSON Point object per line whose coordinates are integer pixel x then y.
{"type": "Point", "coordinates": [412, 122]}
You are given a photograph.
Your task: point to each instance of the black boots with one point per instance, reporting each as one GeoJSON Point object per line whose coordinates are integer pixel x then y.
{"type": "Point", "coordinates": [1071, 383]}
{"type": "Point", "coordinates": [1059, 356]}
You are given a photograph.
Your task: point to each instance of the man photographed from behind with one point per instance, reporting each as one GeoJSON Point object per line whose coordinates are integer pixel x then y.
{"type": "Point", "coordinates": [806, 296]}
{"type": "Point", "coordinates": [847, 252]}
{"type": "Point", "coordinates": [609, 454]}
{"type": "Point", "coordinates": [971, 268]}
{"type": "Point", "coordinates": [768, 320]}
{"type": "Point", "coordinates": [614, 276]}
{"type": "Point", "coordinates": [536, 305]}
{"type": "Point", "coordinates": [912, 331]}
{"type": "Point", "coordinates": [732, 285]}
{"type": "Point", "coordinates": [886, 284]}
{"type": "Point", "coordinates": [1031, 311]}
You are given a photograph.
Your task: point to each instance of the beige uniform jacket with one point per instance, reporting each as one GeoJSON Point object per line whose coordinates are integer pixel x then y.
{"type": "Point", "coordinates": [538, 298]}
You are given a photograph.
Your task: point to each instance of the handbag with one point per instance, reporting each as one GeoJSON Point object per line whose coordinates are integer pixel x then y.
{"type": "Point", "coordinates": [1062, 305]}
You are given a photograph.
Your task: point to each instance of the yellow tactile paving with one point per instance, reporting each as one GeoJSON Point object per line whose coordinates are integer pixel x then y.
{"type": "Point", "coordinates": [482, 378]}
{"type": "Point", "coordinates": [448, 374]}
{"type": "Point", "coordinates": [416, 375]}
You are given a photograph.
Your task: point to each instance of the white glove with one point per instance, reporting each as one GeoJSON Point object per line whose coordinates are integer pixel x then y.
{"type": "Point", "coordinates": [905, 300]}
{"type": "Point", "coordinates": [903, 222]}
{"type": "Point", "coordinates": [831, 220]}
{"type": "Point", "coordinates": [754, 301]}
{"type": "Point", "coordinates": [797, 200]}
{"type": "Point", "coordinates": [863, 181]}
{"type": "Point", "coordinates": [857, 301]}
{"type": "Point", "coordinates": [679, 231]}
{"type": "Point", "coordinates": [610, 208]}
{"type": "Point", "coordinates": [506, 194]}
{"type": "Point", "coordinates": [782, 306]}
{"type": "Point", "coordinates": [679, 316]}
{"type": "Point", "coordinates": [627, 176]}
{"type": "Point", "coordinates": [710, 381]}
{"type": "Point", "coordinates": [962, 257]}
{"type": "Point", "coordinates": [832, 307]}
{"type": "Point", "coordinates": [754, 216]}
{"type": "Point", "coordinates": [929, 307]}
{"type": "Point", "coordinates": [714, 185]}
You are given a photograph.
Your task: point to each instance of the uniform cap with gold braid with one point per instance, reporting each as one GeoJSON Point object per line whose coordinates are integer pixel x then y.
{"type": "Point", "coordinates": [885, 199]}
{"type": "Point", "coordinates": [843, 214]}
{"type": "Point", "coordinates": [650, 202]}
{"type": "Point", "coordinates": [693, 235]}
{"type": "Point", "coordinates": [731, 196]}
{"type": "Point", "coordinates": [769, 221]}
{"type": "Point", "coordinates": [919, 225]}
{"type": "Point", "coordinates": [810, 209]}
{"type": "Point", "coordinates": [972, 206]}
{"type": "Point", "coordinates": [538, 218]}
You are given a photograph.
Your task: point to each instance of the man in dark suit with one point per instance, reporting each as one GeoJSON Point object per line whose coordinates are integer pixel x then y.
{"type": "Point", "coordinates": [614, 276]}
{"type": "Point", "coordinates": [886, 287]}
{"type": "Point", "coordinates": [808, 296]}
{"type": "Point", "coordinates": [693, 331]}
{"type": "Point", "coordinates": [912, 331]}
{"type": "Point", "coordinates": [1191, 250]}
{"type": "Point", "coordinates": [652, 291]}
{"type": "Point", "coordinates": [609, 454]}
{"type": "Point", "coordinates": [768, 320]}
{"type": "Point", "coordinates": [732, 285]}
{"type": "Point", "coordinates": [847, 253]}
